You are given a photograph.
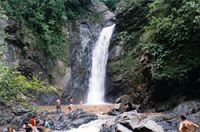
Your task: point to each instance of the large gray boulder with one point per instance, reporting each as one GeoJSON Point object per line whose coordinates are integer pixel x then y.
{"type": "Point", "coordinates": [107, 16]}
{"type": "Point", "coordinates": [73, 119]}
{"type": "Point", "coordinates": [188, 107]}
{"type": "Point", "coordinates": [148, 126]}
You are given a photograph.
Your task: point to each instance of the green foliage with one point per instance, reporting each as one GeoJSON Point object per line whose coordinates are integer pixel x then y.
{"type": "Point", "coordinates": [131, 19]}
{"type": "Point", "coordinates": [126, 5]}
{"type": "Point", "coordinates": [45, 20]}
{"type": "Point", "coordinates": [130, 39]}
{"type": "Point", "coordinates": [111, 4]}
{"type": "Point", "coordinates": [174, 37]}
{"type": "Point", "coordinates": [15, 87]}
{"type": "Point", "coordinates": [125, 63]}
{"type": "Point", "coordinates": [168, 29]}
{"type": "Point", "coordinates": [180, 25]}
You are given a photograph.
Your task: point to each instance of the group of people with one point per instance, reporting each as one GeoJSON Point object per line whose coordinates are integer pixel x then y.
{"type": "Point", "coordinates": [33, 126]}
{"type": "Point", "coordinates": [58, 105]}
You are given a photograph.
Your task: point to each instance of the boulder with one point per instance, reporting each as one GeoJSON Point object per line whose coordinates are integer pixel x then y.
{"type": "Point", "coordinates": [148, 126]}
{"type": "Point", "coordinates": [100, 7]}
{"type": "Point", "coordinates": [107, 15]}
{"type": "Point", "coordinates": [73, 120]}
{"type": "Point", "coordinates": [125, 103]}
{"type": "Point", "coordinates": [168, 122]}
{"type": "Point", "coordinates": [188, 107]}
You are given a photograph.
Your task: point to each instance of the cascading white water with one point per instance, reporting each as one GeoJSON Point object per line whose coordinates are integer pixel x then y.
{"type": "Point", "coordinates": [98, 72]}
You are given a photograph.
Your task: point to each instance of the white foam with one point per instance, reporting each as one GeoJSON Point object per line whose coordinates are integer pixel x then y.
{"type": "Point", "coordinates": [99, 62]}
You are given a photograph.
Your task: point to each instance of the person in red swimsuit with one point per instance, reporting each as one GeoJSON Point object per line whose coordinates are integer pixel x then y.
{"type": "Point", "coordinates": [32, 121]}
{"type": "Point", "coordinates": [186, 125]}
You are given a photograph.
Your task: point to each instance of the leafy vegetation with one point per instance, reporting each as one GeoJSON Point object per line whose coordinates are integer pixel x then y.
{"type": "Point", "coordinates": [168, 30]}
{"type": "Point", "coordinates": [45, 21]}
{"type": "Point", "coordinates": [175, 35]}
{"type": "Point", "coordinates": [111, 4]}
{"type": "Point", "coordinates": [37, 27]}
{"type": "Point", "coordinates": [14, 87]}
{"type": "Point", "coordinates": [130, 24]}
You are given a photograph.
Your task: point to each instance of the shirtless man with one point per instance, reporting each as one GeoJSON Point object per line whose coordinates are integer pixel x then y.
{"type": "Point", "coordinates": [187, 126]}
{"type": "Point", "coordinates": [58, 107]}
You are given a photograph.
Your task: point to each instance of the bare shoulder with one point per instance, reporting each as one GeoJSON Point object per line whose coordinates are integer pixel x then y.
{"type": "Point", "coordinates": [181, 124]}
{"type": "Point", "coordinates": [189, 122]}
{"type": "Point", "coordinates": [193, 124]}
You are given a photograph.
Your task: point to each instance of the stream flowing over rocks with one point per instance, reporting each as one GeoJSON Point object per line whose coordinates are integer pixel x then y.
{"type": "Point", "coordinates": [144, 122]}
{"type": "Point", "coordinates": [131, 121]}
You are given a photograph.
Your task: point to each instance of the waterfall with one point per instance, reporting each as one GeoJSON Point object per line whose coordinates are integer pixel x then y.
{"type": "Point", "coordinates": [98, 71]}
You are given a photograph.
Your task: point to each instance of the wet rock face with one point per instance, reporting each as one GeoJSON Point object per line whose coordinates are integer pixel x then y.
{"type": "Point", "coordinates": [83, 38]}
{"type": "Point", "coordinates": [14, 115]}
{"type": "Point", "coordinates": [83, 35]}
{"type": "Point", "coordinates": [115, 53]}
{"type": "Point", "coordinates": [3, 24]}
{"type": "Point", "coordinates": [74, 120]}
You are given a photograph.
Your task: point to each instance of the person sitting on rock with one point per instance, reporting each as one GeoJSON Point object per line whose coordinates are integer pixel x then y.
{"type": "Point", "coordinates": [33, 123]}
{"type": "Point", "coordinates": [58, 107]}
{"type": "Point", "coordinates": [186, 125]}
{"type": "Point", "coordinates": [47, 124]}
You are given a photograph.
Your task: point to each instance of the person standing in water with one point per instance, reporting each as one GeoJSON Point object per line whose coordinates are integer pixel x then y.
{"type": "Point", "coordinates": [186, 125]}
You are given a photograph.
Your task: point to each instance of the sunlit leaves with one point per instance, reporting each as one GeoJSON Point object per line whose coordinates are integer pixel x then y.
{"type": "Point", "coordinates": [15, 87]}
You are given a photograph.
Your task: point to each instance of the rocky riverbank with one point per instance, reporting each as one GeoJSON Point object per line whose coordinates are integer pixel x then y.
{"type": "Point", "coordinates": [79, 121]}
